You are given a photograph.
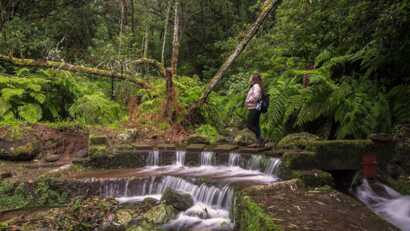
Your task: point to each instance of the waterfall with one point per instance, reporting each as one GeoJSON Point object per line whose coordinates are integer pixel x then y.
{"type": "Point", "coordinates": [254, 162]}
{"type": "Point", "coordinates": [393, 207]}
{"type": "Point", "coordinates": [180, 158]}
{"type": "Point", "coordinates": [273, 167]}
{"type": "Point", "coordinates": [153, 158]}
{"type": "Point", "coordinates": [207, 158]}
{"type": "Point", "coordinates": [210, 195]}
{"type": "Point", "coordinates": [234, 159]}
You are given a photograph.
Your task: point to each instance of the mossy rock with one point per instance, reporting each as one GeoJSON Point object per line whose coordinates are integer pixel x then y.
{"type": "Point", "coordinates": [401, 185]}
{"type": "Point", "coordinates": [98, 151]}
{"type": "Point", "coordinates": [20, 152]}
{"type": "Point", "coordinates": [299, 160]}
{"type": "Point", "coordinates": [154, 218]}
{"type": "Point", "coordinates": [340, 154]}
{"type": "Point", "coordinates": [296, 141]}
{"type": "Point", "coordinates": [98, 140]}
{"type": "Point", "coordinates": [251, 216]}
{"type": "Point", "coordinates": [245, 137]}
{"type": "Point", "coordinates": [179, 200]}
{"type": "Point", "coordinates": [314, 178]}
{"type": "Point", "coordinates": [197, 139]}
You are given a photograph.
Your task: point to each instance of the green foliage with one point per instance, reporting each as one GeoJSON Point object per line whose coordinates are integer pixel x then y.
{"type": "Point", "coordinates": [49, 95]}
{"type": "Point", "coordinates": [250, 216]}
{"type": "Point", "coordinates": [208, 131]}
{"type": "Point", "coordinates": [95, 109]}
{"type": "Point", "coordinates": [21, 195]}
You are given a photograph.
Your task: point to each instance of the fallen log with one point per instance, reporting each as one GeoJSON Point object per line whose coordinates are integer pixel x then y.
{"type": "Point", "coordinates": [72, 68]}
{"type": "Point", "coordinates": [266, 9]}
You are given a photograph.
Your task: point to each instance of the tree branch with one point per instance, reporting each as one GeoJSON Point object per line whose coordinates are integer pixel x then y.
{"type": "Point", "coordinates": [72, 68]}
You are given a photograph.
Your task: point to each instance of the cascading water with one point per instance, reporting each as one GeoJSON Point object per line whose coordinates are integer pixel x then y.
{"type": "Point", "coordinates": [180, 158]}
{"type": "Point", "coordinates": [207, 158]}
{"type": "Point", "coordinates": [273, 166]}
{"type": "Point", "coordinates": [211, 208]}
{"type": "Point", "coordinates": [213, 200]}
{"type": "Point", "coordinates": [153, 158]}
{"type": "Point", "coordinates": [234, 159]}
{"type": "Point", "coordinates": [392, 206]}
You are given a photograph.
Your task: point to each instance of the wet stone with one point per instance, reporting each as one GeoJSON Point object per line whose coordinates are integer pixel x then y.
{"type": "Point", "coordinates": [52, 158]}
{"type": "Point", "coordinates": [142, 146]}
{"type": "Point", "coordinates": [98, 140]}
{"type": "Point", "coordinates": [225, 148]}
{"type": "Point", "coordinates": [167, 147]}
{"type": "Point", "coordinates": [179, 200]}
{"type": "Point", "coordinates": [196, 147]}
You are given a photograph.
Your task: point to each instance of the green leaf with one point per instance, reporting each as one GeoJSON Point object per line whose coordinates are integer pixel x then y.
{"type": "Point", "coordinates": [8, 93]}
{"type": "Point", "coordinates": [22, 72]}
{"type": "Point", "coordinates": [30, 112]}
{"type": "Point", "coordinates": [40, 98]}
{"type": "Point", "coordinates": [4, 107]}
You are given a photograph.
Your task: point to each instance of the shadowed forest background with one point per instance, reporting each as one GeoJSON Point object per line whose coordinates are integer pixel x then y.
{"type": "Point", "coordinates": [354, 54]}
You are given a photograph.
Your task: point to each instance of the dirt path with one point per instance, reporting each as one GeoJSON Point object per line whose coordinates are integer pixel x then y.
{"type": "Point", "coordinates": [295, 208]}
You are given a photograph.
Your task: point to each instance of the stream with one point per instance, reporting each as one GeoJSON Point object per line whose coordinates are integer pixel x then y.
{"type": "Point", "coordinates": [210, 185]}
{"type": "Point", "coordinates": [385, 202]}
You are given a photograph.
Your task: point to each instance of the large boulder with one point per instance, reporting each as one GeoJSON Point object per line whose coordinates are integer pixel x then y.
{"type": "Point", "coordinates": [245, 137]}
{"type": "Point", "coordinates": [297, 141]}
{"type": "Point", "coordinates": [128, 135]}
{"type": "Point", "coordinates": [18, 144]}
{"type": "Point", "coordinates": [154, 218]}
{"type": "Point", "coordinates": [19, 151]}
{"type": "Point", "coordinates": [179, 200]}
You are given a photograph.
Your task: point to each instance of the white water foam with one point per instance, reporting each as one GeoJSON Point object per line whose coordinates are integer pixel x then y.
{"type": "Point", "coordinates": [180, 158]}
{"type": "Point", "coordinates": [273, 166]}
{"type": "Point", "coordinates": [153, 158]}
{"type": "Point", "coordinates": [207, 158]}
{"type": "Point", "coordinates": [393, 207]}
{"type": "Point", "coordinates": [234, 159]}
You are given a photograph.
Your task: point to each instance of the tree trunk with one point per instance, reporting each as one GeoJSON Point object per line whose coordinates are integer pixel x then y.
{"type": "Point", "coordinates": [72, 68]}
{"type": "Point", "coordinates": [133, 29]}
{"type": "Point", "coordinates": [175, 42]}
{"type": "Point", "coordinates": [146, 41]}
{"type": "Point", "coordinates": [164, 41]}
{"type": "Point", "coordinates": [266, 9]}
{"type": "Point", "coordinates": [170, 101]}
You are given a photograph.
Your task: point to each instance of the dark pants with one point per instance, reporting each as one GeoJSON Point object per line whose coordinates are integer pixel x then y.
{"type": "Point", "coordinates": [253, 122]}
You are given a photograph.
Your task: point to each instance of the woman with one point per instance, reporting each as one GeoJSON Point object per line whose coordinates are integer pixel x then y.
{"type": "Point", "coordinates": [254, 96]}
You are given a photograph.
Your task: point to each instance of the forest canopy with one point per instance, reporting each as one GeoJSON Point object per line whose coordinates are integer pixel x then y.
{"type": "Point", "coordinates": [354, 54]}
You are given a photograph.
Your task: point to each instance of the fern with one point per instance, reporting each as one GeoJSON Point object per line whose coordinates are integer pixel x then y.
{"type": "Point", "coordinates": [30, 112]}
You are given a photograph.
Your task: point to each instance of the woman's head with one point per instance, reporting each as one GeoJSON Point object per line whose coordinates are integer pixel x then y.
{"type": "Point", "coordinates": [255, 78]}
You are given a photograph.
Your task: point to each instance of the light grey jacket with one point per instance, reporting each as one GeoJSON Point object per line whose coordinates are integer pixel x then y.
{"type": "Point", "coordinates": [254, 95]}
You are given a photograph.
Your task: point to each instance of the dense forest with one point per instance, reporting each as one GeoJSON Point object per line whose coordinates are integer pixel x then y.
{"type": "Point", "coordinates": [137, 115]}
{"type": "Point", "coordinates": [353, 53]}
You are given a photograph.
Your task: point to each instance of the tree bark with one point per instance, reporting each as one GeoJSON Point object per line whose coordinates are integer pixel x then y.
{"type": "Point", "coordinates": [175, 42]}
{"type": "Point", "coordinates": [72, 68]}
{"type": "Point", "coordinates": [170, 101]}
{"type": "Point", "coordinates": [266, 9]}
{"type": "Point", "coordinates": [133, 29]}
{"type": "Point", "coordinates": [146, 41]}
{"type": "Point", "coordinates": [151, 62]}
{"type": "Point", "coordinates": [166, 24]}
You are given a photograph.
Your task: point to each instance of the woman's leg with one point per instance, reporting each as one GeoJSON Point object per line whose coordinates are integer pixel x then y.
{"type": "Point", "coordinates": [257, 126]}
{"type": "Point", "coordinates": [253, 122]}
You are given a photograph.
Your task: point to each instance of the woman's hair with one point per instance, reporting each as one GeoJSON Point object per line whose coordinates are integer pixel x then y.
{"type": "Point", "coordinates": [256, 79]}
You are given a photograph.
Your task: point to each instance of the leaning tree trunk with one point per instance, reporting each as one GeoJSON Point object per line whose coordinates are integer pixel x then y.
{"type": "Point", "coordinates": [72, 68]}
{"type": "Point", "coordinates": [175, 42]}
{"type": "Point", "coordinates": [266, 9]}
{"type": "Point", "coordinates": [164, 41]}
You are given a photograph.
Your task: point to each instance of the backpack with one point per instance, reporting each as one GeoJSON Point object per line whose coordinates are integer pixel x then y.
{"type": "Point", "coordinates": [263, 103]}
